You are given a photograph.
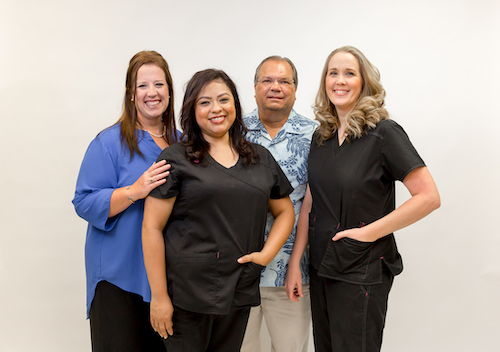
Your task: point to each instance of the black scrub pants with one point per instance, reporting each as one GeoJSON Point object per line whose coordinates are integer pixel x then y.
{"type": "Point", "coordinates": [348, 317]}
{"type": "Point", "coordinates": [119, 322]}
{"type": "Point", "coordinates": [194, 332]}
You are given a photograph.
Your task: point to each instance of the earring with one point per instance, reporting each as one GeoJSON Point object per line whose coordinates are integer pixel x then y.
{"type": "Point", "coordinates": [132, 99]}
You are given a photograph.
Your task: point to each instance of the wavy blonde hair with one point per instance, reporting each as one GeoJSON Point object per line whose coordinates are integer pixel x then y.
{"type": "Point", "coordinates": [367, 112]}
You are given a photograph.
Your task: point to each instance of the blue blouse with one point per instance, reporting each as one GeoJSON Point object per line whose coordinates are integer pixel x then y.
{"type": "Point", "coordinates": [113, 248]}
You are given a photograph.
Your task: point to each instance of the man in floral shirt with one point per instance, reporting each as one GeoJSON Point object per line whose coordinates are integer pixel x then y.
{"type": "Point", "coordinates": [287, 135]}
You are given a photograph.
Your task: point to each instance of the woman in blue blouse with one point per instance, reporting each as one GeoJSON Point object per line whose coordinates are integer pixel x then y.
{"type": "Point", "coordinates": [117, 173]}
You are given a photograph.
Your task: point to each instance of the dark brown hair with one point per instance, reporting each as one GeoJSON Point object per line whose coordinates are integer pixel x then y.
{"type": "Point", "coordinates": [192, 137]}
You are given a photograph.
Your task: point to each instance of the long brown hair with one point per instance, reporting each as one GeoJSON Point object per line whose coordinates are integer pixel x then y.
{"type": "Point", "coordinates": [192, 138]}
{"type": "Point", "coordinates": [129, 119]}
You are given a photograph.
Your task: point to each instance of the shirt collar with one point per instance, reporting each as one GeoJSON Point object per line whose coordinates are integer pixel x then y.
{"type": "Point", "coordinates": [255, 124]}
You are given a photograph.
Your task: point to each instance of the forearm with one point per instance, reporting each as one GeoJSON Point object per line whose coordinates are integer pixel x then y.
{"type": "Point", "coordinates": [279, 233]}
{"type": "Point", "coordinates": [154, 260]}
{"type": "Point", "coordinates": [121, 199]}
{"type": "Point", "coordinates": [414, 209]}
{"type": "Point", "coordinates": [424, 199]}
{"type": "Point", "coordinates": [302, 233]}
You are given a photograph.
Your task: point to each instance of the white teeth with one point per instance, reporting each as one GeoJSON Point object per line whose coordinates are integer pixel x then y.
{"type": "Point", "coordinates": [218, 118]}
{"type": "Point", "coordinates": [152, 103]}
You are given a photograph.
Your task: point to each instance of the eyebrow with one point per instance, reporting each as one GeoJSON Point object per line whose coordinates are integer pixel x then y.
{"type": "Point", "coordinates": [209, 98]}
{"type": "Point", "coordinates": [346, 69]}
{"type": "Point", "coordinates": [157, 81]}
{"type": "Point", "coordinates": [291, 79]}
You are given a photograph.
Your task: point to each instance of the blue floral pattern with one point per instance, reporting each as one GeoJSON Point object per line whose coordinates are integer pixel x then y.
{"type": "Point", "coordinates": [290, 148]}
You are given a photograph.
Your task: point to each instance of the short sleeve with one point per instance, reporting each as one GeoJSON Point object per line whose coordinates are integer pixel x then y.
{"type": "Point", "coordinates": [282, 186]}
{"type": "Point", "coordinates": [399, 157]}
{"type": "Point", "coordinates": [170, 188]}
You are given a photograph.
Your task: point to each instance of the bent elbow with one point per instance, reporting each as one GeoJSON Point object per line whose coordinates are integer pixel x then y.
{"type": "Point", "coordinates": [434, 201]}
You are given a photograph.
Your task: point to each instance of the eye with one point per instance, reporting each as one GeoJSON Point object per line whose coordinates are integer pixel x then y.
{"type": "Point", "coordinates": [159, 84]}
{"type": "Point", "coordinates": [141, 86]}
{"type": "Point", "coordinates": [333, 73]}
{"type": "Point", "coordinates": [204, 103]}
{"type": "Point", "coordinates": [350, 74]}
{"type": "Point", "coordinates": [266, 81]}
{"type": "Point", "coordinates": [285, 82]}
{"type": "Point", "coordinates": [224, 100]}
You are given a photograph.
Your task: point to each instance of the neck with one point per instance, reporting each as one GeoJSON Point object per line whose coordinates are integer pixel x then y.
{"type": "Point", "coordinates": [218, 142]}
{"type": "Point", "coordinates": [273, 121]}
{"type": "Point", "coordinates": [156, 126]}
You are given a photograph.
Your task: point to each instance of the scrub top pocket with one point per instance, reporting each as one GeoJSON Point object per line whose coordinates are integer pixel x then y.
{"type": "Point", "coordinates": [199, 275]}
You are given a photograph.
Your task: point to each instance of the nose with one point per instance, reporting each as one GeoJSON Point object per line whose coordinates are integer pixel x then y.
{"type": "Point", "coordinates": [152, 90]}
{"type": "Point", "coordinates": [216, 107]}
{"type": "Point", "coordinates": [275, 85]}
{"type": "Point", "coordinates": [341, 79]}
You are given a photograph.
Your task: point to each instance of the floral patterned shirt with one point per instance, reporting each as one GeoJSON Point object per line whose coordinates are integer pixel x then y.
{"type": "Point", "coordinates": [290, 148]}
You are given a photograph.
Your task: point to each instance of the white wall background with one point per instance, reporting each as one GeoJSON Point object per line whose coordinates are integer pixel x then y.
{"type": "Point", "coordinates": [62, 76]}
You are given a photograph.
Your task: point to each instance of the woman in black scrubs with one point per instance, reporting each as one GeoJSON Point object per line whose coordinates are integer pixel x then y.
{"type": "Point", "coordinates": [204, 228]}
{"type": "Point", "coordinates": [349, 215]}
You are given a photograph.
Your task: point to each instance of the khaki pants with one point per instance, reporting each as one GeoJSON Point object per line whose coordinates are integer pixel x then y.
{"type": "Point", "coordinates": [288, 322]}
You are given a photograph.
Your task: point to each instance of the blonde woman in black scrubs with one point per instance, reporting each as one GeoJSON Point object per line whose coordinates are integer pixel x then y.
{"type": "Point", "coordinates": [203, 230]}
{"type": "Point", "coordinates": [349, 215]}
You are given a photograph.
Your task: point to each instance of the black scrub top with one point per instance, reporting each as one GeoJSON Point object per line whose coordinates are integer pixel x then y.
{"type": "Point", "coordinates": [218, 216]}
{"type": "Point", "coordinates": [352, 185]}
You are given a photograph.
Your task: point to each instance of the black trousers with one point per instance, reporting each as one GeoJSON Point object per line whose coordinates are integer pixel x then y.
{"type": "Point", "coordinates": [348, 317]}
{"type": "Point", "coordinates": [119, 322]}
{"type": "Point", "coordinates": [194, 332]}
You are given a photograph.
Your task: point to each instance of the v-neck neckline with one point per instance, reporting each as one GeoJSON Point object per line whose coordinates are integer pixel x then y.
{"type": "Point", "coordinates": [336, 147]}
{"type": "Point", "coordinates": [222, 167]}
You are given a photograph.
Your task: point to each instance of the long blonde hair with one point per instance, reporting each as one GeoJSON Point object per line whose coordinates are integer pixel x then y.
{"type": "Point", "coordinates": [367, 112]}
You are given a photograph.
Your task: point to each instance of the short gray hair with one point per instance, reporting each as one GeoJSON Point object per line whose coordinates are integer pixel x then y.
{"type": "Point", "coordinates": [277, 58]}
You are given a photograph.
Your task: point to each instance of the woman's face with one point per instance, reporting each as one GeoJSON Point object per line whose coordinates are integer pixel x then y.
{"type": "Point", "coordinates": [215, 111]}
{"type": "Point", "coordinates": [151, 93]}
{"type": "Point", "coordinates": [343, 81]}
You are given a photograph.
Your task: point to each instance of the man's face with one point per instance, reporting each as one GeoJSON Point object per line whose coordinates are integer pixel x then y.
{"type": "Point", "coordinates": [275, 89]}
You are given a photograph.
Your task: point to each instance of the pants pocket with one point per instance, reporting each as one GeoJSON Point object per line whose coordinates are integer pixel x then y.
{"type": "Point", "coordinates": [349, 257]}
{"type": "Point", "coordinates": [247, 288]}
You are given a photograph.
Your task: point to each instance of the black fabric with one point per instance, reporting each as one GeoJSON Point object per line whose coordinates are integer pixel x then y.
{"type": "Point", "coordinates": [348, 317]}
{"type": "Point", "coordinates": [219, 215]}
{"type": "Point", "coordinates": [195, 332]}
{"type": "Point", "coordinates": [119, 322]}
{"type": "Point", "coordinates": [352, 185]}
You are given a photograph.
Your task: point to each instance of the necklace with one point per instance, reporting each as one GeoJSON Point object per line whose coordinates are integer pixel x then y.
{"type": "Point", "coordinates": [155, 135]}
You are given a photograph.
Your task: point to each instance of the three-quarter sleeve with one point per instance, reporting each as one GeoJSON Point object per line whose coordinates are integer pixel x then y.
{"type": "Point", "coordinates": [96, 182]}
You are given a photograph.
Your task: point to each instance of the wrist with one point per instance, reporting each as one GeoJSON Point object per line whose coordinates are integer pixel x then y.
{"type": "Point", "coordinates": [130, 199]}
{"type": "Point", "coordinates": [160, 298]}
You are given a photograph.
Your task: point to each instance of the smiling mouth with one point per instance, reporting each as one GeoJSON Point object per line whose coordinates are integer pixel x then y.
{"type": "Point", "coordinates": [152, 103]}
{"type": "Point", "coordinates": [340, 91]}
{"type": "Point", "coordinates": [217, 118]}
